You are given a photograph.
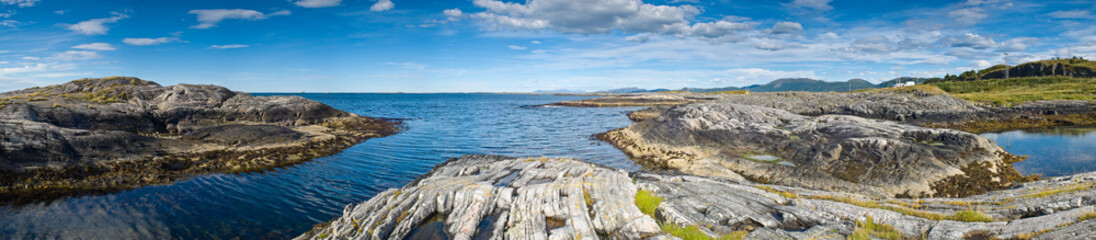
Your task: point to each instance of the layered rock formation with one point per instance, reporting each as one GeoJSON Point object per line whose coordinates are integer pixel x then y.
{"type": "Point", "coordinates": [490, 197]}
{"type": "Point", "coordinates": [102, 135]}
{"type": "Point", "coordinates": [829, 152]}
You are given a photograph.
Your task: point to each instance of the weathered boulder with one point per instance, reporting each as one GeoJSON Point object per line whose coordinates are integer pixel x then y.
{"type": "Point", "coordinates": [102, 135]}
{"type": "Point", "coordinates": [492, 197]}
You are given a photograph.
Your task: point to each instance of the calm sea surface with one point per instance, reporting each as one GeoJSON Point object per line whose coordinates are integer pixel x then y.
{"type": "Point", "coordinates": [1051, 152]}
{"type": "Point", "coordinates": [287, 202]}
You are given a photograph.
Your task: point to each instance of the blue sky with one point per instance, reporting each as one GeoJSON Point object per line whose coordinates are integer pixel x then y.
{"type": "Point", "coordinates": [490, 45]}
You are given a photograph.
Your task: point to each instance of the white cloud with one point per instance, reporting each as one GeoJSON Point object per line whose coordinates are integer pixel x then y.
{"type": "Point", "coordinates": [149, 41]}
{"type": "Point", "coordinates": [628, 16]}
{"type": "Point", "coordinates": [20, 3]}
{"type": "Point", "coordinates": [97, 26]}
{"type": "Point", "coordinates": [318, 3]}
{"type": "Point", "coordinates": [786, 28]}
{"type": "Point", "coordinates": [969, 40]}
{"type": "Point", "coordinates": [95, 46]}
{"type": "Point", "coordinates": [10, 23]}
{"type": "Point", "coordinates": [1082, 14]}
{"type": "Point", "coordinates": [229, 46]}
{"type": "Point", "coordinates": [1019, 44]}
{"type": "Point", "coordinates": [817, 5]}
{"type": "Point", "coordinates": [7, 14]}
{"type": "Point", "coordinates": [536, 42]}
{"type": "Point", "coordinates": [968, 16]}
{"type": "Point", "coordinates": [639, 38]}
{"type": "Point", "coordinates": [516, 47]}
{"type": "Point", "coordinates": [208, 18]}
{"type": "Point", "coordinates": [382, 5]}
{"type": "Point", "coordinates": [76, 55]}
{"type": "Point", "coordinates": [453, 15]}
{"type": "Point", "coordinates": [60, 12]}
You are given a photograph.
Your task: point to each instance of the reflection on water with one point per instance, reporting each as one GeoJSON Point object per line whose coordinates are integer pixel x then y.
{"type": "Point", "coordinates": [1051, 152]}
{"type": "Point", "coordinates": [287, 202]}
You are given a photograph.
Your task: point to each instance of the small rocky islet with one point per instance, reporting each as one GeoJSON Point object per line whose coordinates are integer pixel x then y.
{"type": "Point", "coordinates": [886, 164]}
{"type": "Point", "coordinates": [94, 136]}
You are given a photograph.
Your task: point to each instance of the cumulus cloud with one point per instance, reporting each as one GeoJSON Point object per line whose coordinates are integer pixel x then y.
{"type": "Point", "coordinates": [516, 47]}
{"type": "Point", "coordinates": [453, 15]}
{"type": "Point", "coordinates": [97, 26]}
{"type": "Point", "coordinates": [816, 5]}
{"type": "Point", "coordinates": [229, 46]}
{"type": "Point", "coordinates": [786, 28]}
{"type": "Point", "coordinates": [20, 3]}
{"type": "Point", "coordinates": [629, 16]}
{"type": "Point", "coordinates": [95, 46]}
{"type": "Point", "coordinates": [969, 40]}
{"type": "Point", "coordinates": [1017, 44]}
{"type": "Point", "coordinates": [209, 18]}
{"type": "Point", "coordinates": [640, 38]}
{"type": "Point", "coordinates": [317, 3]}
{"type": "Point", "coordinates": [7, 14]}
{"type": "Point", "coordinates": [968, 16]}
{"type": "Point", "coordinates": [149, 41]}
{"type": "Point", "coordinates": [382, 5]}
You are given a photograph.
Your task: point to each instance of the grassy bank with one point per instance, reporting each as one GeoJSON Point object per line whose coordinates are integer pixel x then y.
{"type": "Point", "coordinates": [1016, 90]}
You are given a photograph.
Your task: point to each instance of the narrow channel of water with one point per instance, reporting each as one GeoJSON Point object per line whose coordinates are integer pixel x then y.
{"type": "Point", "coordinates": [286, 202]}
{"type": "Point", "coordinates": [1051, 152]}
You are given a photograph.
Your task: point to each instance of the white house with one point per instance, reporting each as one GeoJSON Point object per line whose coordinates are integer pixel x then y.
{"type": "Point", "coordinates": [905, 84]}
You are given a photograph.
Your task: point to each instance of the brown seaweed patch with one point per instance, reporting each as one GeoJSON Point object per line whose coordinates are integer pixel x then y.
{"type": "Point", "coordinates": [1020, 122]}
{"type": "Point", "coordinates": [978, 179]}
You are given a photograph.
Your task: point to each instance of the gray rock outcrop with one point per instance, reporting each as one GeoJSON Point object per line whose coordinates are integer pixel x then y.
{"type": "Point", "coordinates": [102, 135]}
{"type": "Point", "coordinates": [828, 152]}
{"type": "Point", "coordinates": [493, 197]}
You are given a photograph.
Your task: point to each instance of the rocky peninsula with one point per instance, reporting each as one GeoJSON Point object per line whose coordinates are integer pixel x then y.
{"type": "Point", "coordinates": [102, 135]}
{"type": "Point", "coordinates": [493, 197]}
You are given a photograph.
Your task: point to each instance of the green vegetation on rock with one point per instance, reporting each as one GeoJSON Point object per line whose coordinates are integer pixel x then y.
{"type": "Point", "coordinates": [868, 229]}
{"type": "Point", "coordinates": [647, 202]}
{"type": "Point", "coordinates": [1016, 90]}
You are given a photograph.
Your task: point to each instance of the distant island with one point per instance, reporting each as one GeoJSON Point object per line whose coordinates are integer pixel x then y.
{"type": "Point", "coordinates": [1075, 67]}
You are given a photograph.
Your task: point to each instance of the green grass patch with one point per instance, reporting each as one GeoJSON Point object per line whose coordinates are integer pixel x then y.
{"type": "Point", "coordinates": [970, 216]}
{"type": "Point", "coordinates": [694, 233]}
{"type": "Point", "coordinates": [868, 229]}
{"type": "Point", "coordinates": [778, 192]}
{"type": "Point", "coordinates": [1055, 191]}
{"type": "Point", "coordinates": [1087, 216]}
{"type": "Point", "coordinates": [647, 202]}
{"type": "Point", "coordinates": [1016, 90]}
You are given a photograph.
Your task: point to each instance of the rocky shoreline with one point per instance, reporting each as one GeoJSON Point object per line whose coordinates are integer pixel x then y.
{"type": "Point", "coordinates": [494, 197]}
{"type": "Point", "coordinates": [791, 165]}
{"type": "Point", "coordinates": [94, 136]}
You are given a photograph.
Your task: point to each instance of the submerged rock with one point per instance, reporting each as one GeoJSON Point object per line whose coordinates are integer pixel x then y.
{"type": "Point", "coordinates": [103, 135]}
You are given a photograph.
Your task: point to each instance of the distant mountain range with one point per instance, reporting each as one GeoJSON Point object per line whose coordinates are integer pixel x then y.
{"type": "Point", "coordinates": [779, 85]}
